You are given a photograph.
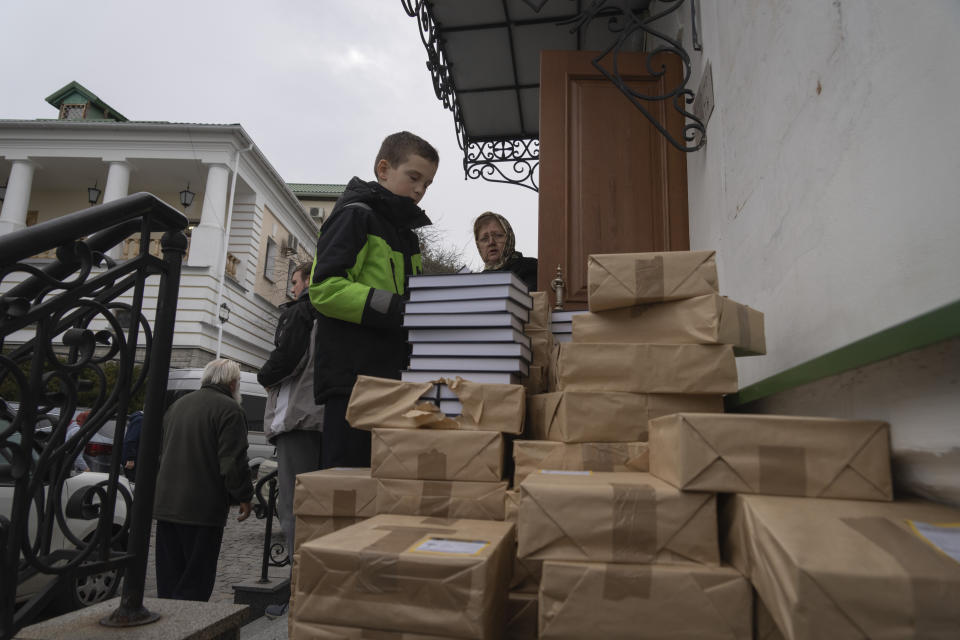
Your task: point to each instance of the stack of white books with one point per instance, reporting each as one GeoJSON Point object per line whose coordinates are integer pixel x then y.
{"type": "Point", "coordinates": [468, 325]}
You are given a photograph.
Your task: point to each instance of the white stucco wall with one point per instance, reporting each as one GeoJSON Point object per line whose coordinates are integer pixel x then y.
{"type": "Point", "coordinates": [830, 183]}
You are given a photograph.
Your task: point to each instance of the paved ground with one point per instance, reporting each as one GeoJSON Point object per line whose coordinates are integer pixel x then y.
{"type": "Point", "coordinates": [265, 629]}
{"type": "Point", "coordinates": [240, 557]}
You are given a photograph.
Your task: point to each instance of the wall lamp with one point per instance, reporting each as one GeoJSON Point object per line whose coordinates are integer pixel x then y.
{"type": "Point", "coordinates": [93, 194]}
{"type": "Point", "coordinates": [186, 197]}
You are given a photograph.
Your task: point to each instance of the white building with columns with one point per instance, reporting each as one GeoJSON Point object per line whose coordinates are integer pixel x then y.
{"type": "Point", "coordinates": [248, 229]}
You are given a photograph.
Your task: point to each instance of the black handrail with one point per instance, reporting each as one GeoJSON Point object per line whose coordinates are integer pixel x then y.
{"type": "Point", "coordinates": [76, 322]}
{"type": "Point", "coordinates": [275, 554]}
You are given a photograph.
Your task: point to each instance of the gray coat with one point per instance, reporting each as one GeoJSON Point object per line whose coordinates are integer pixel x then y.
{"type": "Point", "coordinates": [290, 403]}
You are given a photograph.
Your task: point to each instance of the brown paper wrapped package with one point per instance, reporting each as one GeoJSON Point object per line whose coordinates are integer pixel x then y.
{"type": "Point", "coordinates": [380, 571]}
{"type": "Point", "coordinates": [536, 380]}
{"type": "Point", "coordinates": [763, 622]}
{"type": "Point", "coordinates": [341, 492]}
{"type": "Point", "coordinates": [539, 314]}
{"type": "Point", "coordinates": [434, 454]}
{"type": "Point", "coordinates": [645, 368]}
{"type": "Point", "coordinates": [395, 404]}
{"type": "Point", "coordinates": [708, 319]}
{"type": "Point", "coordinates": [605, 416]}
{"type": "Point", "coordinates": [327, 500]}
{"type": "Point", "coordinates": [521, 616]}
{"type": "Point", "coordinates": [595, 600]}
{"type": "Point", "coordinates": [529, 456]}
{"type": "Point", "coordinates": [442, 498]}
{"type": "Point", "coordinates": [526, 571]}
{"type": "Point", "coordinates": [614, 517]}
{"type": "Point", "coordinates": [541, 344]}
{"type": "Point", "coordinates": [616, 280]}
{"type": "Point", "coordinates": [309, 527]}
{"type": "Point", "coordinates": [845, 569]}
{"type": "Point", "coordinates": [312, 631]}
{"type": "Point", "coordinates": [776, 455]}
{"type": "Point", "coordinates": [511, 505]}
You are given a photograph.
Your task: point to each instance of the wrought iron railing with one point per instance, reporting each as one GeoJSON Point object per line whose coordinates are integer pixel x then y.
{"type": "Point", "coordinates": [69, 319]}
{"type": "Point", "coordinates": [275, 554]}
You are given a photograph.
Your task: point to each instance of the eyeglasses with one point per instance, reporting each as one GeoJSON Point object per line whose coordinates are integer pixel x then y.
{"type": "Point", "coordinates": [496, 237]}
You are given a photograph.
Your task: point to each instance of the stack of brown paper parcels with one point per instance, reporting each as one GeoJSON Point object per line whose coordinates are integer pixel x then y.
{"type": "Point", "coordinates": [430, 464]}
{"type": "Point", "coordinates": [440, 492]}
{"type": "Point", "coordinates": [541, 342]}
{"type": "Point", "coordinates": [326, 501]}
{"type": "Point", "coordinates": [857, 565]}
{"type": "Point", "coordinates": [419, 577]}
{"type": "Point", "coordinates": [606, 543]}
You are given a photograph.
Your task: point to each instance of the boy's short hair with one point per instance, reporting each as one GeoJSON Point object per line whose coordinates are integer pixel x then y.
{"type": "Point", "coordinates": [397, 147]}
{"type": "Point", "coordinates": [304, 268]}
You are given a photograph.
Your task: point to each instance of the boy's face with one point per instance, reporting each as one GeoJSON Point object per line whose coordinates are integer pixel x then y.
{"type": "Point", "coordinates": [410, 178]}
{"type": "Point", "coordinates": [298, 283]}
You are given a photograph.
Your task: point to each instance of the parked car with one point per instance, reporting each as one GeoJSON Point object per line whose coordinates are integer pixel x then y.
{"type": "Point", "coordinates": [253, 399]}
{"type": "Point", "coordinates": [97, 451]}
{"type": "Point", "coordinates": [85, 590]}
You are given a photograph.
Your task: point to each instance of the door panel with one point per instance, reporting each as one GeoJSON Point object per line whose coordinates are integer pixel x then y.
{"type": "Point", "coordinates": [609, 181]}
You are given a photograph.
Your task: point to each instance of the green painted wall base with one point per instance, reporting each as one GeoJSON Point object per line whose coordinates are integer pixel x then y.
{"type": "Point", "coordinates": [929, 328]}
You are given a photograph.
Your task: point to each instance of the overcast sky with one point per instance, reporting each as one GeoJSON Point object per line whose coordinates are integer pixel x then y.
{"type": "Point", "coordinates": [316, 83]}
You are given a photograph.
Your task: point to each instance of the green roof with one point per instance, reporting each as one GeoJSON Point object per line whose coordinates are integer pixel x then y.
{"type": "Point", "coordinates": [307, 189]}
{"type": "Point", "coordinates": [76, 93]}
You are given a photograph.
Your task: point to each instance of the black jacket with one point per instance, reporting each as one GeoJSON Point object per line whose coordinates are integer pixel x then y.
{"type": "Point", "coordinates": [525, 268]}
{"type": "Point", "coordinates": [365, 253]}
{"type": "Point", "coordinates": [291, 339]}
{"type": "Point", "coordinates": [203, 464]}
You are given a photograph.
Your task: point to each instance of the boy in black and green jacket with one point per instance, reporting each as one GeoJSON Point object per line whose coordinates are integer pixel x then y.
{"type": "Point", "coordinates": [366, 251]}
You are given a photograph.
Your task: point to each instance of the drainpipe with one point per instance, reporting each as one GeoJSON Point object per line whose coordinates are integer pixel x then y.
{"type": "Point", "coordinates": [226, 245]}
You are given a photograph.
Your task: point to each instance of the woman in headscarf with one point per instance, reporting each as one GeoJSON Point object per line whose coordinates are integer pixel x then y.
{"type": "Point", "coordinates": [495, 242]}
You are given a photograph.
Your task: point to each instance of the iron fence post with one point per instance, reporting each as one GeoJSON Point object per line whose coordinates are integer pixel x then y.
{"type": "Point", "coordinates": [131, 610]}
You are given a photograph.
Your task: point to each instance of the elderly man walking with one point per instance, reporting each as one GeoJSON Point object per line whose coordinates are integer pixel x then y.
{"type": "Point", "coordinates": [203, 470]}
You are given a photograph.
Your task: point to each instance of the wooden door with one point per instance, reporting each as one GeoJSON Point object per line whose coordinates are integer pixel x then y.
{"type": "Point", "coordinates": [609, 181]}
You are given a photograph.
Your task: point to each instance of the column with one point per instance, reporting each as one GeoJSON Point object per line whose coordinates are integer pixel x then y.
{"type": "Point", "coordinates": [13, 216]}
{"type": "Point", "coordinates": [207, 242]}
{"type": "Point", "coordinates": [118, 182]}
{"type": "Point", "coordinates": [118, 186]}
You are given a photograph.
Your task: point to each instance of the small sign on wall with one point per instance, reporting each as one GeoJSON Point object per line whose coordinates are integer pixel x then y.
{"type": "Point", "coordinates": [703, 102]}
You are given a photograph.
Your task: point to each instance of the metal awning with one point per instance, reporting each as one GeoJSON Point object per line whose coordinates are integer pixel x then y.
{"type": "Point", "coordinates": [484, 58]}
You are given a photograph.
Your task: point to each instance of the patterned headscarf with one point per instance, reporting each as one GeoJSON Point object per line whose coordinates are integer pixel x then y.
{"type": "Point", "coordinates": [508, 247]}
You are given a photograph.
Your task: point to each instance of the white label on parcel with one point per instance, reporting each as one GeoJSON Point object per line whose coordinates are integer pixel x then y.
{"type": "Point", "coordinates": [446, 545]}
{"type": "Point", "coordinates": [558, 472]}
{"type": "Point", "coordinates": [945, 537]}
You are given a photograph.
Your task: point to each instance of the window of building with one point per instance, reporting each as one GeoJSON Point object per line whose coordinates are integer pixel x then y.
{"type": "Point", "coordinates": [270, 263]}
{"type": "Point", "coordinates": [291, 267]}
{"type": "Point", "coordinates": [73, 111]}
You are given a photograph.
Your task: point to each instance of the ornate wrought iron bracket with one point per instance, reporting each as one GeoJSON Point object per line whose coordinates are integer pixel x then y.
{"type": "Point", "coordinates": [516, 160]}
{"type": "Point", "coordinates": [505, 160]}
{"type": "Point", "coordinates": [512, 161]}
{"type": "Point", "coordinates": [628, 24]}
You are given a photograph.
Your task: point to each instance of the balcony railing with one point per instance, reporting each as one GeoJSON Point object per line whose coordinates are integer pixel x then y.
{"type": "Point", "coordinates": [64, 305]}
{"type": "Point", "coordinates": [131, 248]}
